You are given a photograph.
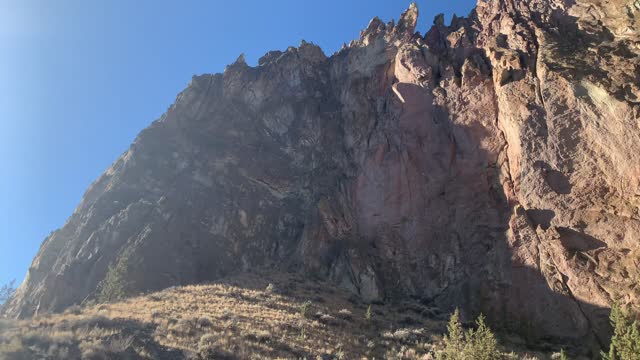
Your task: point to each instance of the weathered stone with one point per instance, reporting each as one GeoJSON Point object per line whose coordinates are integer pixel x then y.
{"type": "Point", "coordinates": [491, 165]}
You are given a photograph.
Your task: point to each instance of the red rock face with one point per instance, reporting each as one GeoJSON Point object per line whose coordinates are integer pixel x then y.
{"type": "Point", "coordinates": [490, 165]}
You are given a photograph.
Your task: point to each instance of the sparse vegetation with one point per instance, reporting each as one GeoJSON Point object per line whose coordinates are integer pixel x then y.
{"type": "Point", "coordinates": [562, 355]}
{"type": "Point", "coordinates": [218, 321]}
{"type": "Point", "coordinates": [368, 314]}
{"type": "Point", "coordinates": [304, 308]}
{"type": "Point", "coordinates": [204, 322]}
{"type": "Point", "coordinates": [206, 342]}
{"type": "Point", "coordinates": [345, 314]}
{"type": "Point", "coordinates": [476, 344]}
{"type": "Point", "coordinates": [116, 283]}
{"type": "Point", "coordinates": [625, 342]}
{"type": "Point", "coordinates": [6, 291]}
{"type": "Point", "coordinates": [270, 288]}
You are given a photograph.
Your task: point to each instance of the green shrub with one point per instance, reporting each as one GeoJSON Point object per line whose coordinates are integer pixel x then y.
{"type": "Point", "coordinates": [6, 291]}
{"type": "Point", "coordinates": [270, 288]}
{"type": "Point", "coordinates": [116, 284]}
{"type": "Point", "coordinates": [625, 342]}
{"type": "Point", "coordinates": [368, 314]}
{"type": "Point", "coordinates": [454, 341]}
{"type": "Point", "coordinates": [304, 308]}
{"type": "Point", "coordinates": [476, 344]}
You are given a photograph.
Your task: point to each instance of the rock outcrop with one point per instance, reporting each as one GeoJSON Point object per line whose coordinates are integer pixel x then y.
{"type": "Point", "coordinates": [490, 165]}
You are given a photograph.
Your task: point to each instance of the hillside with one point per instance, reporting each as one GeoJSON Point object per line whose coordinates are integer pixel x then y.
{"type": "Point", "coordinates": [248, 316]}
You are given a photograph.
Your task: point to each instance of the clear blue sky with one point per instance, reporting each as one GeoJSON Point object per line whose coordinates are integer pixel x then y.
{"type": "Point", "coordinates": [79, 79]}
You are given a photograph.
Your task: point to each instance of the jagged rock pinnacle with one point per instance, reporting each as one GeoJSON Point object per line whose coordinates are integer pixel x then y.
{"type": "Point", "coordinates": [376, 25]}
{"type": "Point", "coordinates": [408, 20]}
{"type": "Point", "coordinates": [241, 60]}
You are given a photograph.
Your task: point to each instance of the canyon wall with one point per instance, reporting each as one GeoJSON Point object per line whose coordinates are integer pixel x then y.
{"type": "Point", "coordinates": [491, 164]}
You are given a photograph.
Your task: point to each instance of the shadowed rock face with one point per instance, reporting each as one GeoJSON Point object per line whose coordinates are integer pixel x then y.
{"type": "Point", "coordinates": [490, 165]}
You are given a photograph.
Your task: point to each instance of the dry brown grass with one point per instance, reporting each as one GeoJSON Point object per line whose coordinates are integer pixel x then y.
{"type": "Point", "coordinates": [239, 318]}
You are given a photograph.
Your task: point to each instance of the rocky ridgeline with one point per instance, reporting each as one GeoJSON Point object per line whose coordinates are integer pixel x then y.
{"type": "Point", "coordinates": [491, 165]}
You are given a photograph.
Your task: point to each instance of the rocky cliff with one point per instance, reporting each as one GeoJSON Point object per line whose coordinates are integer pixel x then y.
{"type": "Point", "coordinates": [491, 164]}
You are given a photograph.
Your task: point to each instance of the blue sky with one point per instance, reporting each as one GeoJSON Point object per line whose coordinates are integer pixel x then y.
{"type": "Point", "coordinates": [79, 79]}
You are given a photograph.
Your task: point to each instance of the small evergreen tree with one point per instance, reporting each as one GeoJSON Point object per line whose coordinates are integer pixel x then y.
{"type": "Point", "coordinates": [625, 342]}
{"type": "Point", "coordinates": [6, 291]}
{"type": "Point", "coordinates": [563, 355]}
{"type": "Point", "coordinates": [116, 284]}
{"type": "Point", "coordinates": [454, 340]}
{"type": "Point", "coordinates": [478, 344]}
{"type": "Point", "coordinates": [304, 308]}
{"type": "Point", "coordinates": [482, 344]}
{"type": "Point", "coordinates": [368, 314]}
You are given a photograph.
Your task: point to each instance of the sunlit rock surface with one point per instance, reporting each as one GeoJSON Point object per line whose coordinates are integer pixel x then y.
{"type": "Point", "coordinates": [491, 165]}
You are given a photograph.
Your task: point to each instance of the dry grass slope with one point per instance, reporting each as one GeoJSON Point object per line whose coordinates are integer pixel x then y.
{"type": "Point", "coordinates": [246, 317]}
